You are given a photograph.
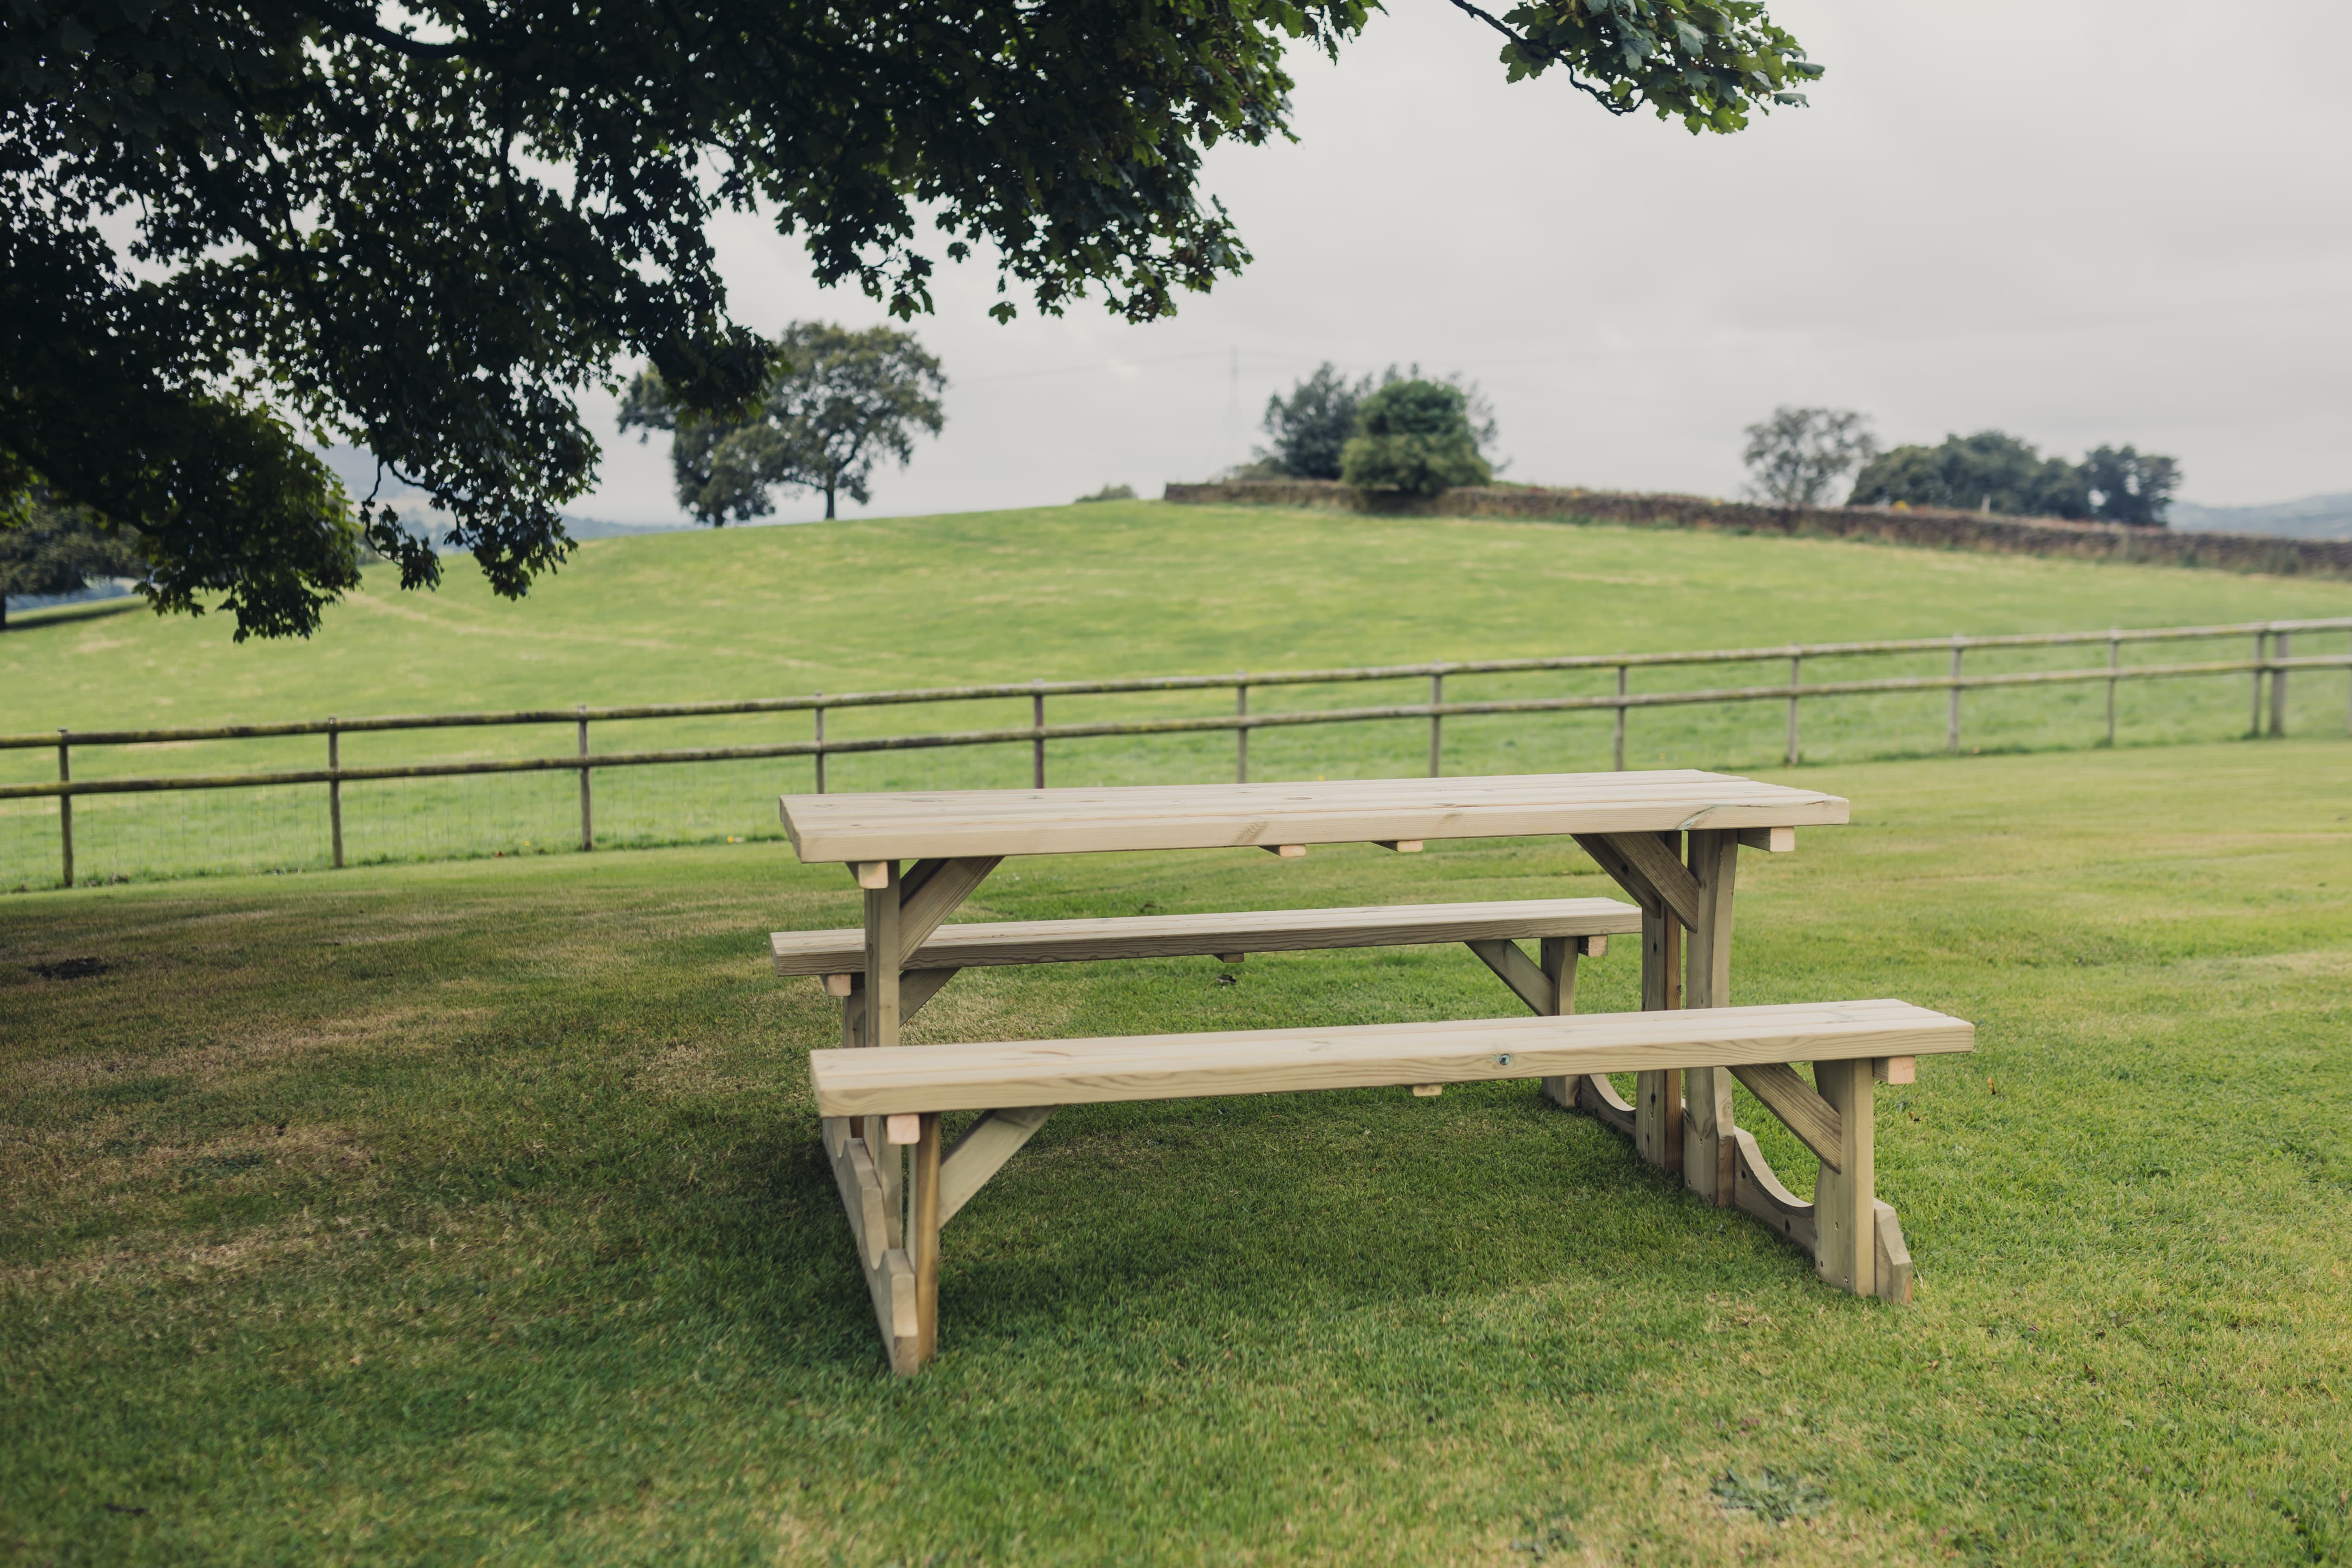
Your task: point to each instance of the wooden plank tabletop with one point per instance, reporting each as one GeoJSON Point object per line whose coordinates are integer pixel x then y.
{"type": "Point", "coordinates": [1277, 1060]}
{"type": "Point", "coordinates": [943, 823]}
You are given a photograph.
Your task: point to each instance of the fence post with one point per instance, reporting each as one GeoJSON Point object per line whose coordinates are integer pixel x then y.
{"type": "Point", "coordinates": [65, 803]}
{"type": "Point", "coordinates": [2284, 646]}
{"type": "Point", "coordinates": [2262, 657]}
{"type": "Point", "coordinates": [820, 748]}
{"type": "Point", "coordinates": [1241, 734]}
{"type": "Point", "coordinates": [1038, 718]}
{"type": "Point", "coordinates": [335, 789]}
{"type": "Point", "coordinates": [2115, 661]}
{"type": "Point", "coordinates": [1621, 720]}
{"type": "Point", "coordinates": [587, 819]}
{"type": "Point", "coordinates": [1436, 723]}
{"type": "Point", "coordinates": [1796, 667]}
{"type": "Point", "coordinates": [1952, 723]}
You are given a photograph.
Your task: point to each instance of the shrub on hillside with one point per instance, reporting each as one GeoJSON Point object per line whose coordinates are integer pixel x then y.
{"type": "Point", "coordinates": [1413, 437]}
{"type": "Point", "coordinates": [1109, 493]}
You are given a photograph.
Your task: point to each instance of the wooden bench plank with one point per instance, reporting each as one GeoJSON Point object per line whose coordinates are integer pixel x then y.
{"type": "Point", "coordinates": [1266, 1061]}
{"type": "Point", "coordinates": [980, 944]}
{"type": "Point", "coordinates": [948, 823]}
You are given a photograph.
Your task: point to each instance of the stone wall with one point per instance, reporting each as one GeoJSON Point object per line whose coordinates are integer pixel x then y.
{"type": "Point", "coordinates": [1932, 528]}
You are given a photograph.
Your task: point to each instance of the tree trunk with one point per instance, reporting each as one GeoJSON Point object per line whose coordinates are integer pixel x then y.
{"type": "Point", "coordinates": [828, 503]}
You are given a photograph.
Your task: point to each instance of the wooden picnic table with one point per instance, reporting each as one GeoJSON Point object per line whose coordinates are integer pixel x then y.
{"type": "Point", "coordinates": [1670, 839]}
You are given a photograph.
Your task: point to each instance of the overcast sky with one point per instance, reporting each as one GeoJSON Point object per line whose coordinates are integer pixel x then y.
{"type": "Point", "coordinates": [2082, 222]}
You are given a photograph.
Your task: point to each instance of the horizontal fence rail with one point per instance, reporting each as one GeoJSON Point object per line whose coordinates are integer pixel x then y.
{"type": "Point", "coordinates": [2271, 660]}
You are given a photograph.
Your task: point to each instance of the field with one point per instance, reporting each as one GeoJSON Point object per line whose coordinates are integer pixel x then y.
{"type": "Point", "coordinates": [1060, 593]}
{"type": "Point", "coordinates": [472, 1211]}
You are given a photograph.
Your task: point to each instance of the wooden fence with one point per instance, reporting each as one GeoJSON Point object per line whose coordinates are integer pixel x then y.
{"type": "Point", "coordinates": [2270, 662]}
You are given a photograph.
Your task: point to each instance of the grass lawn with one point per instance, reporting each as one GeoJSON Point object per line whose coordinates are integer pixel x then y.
{"type": "Point", "coordinates": [1065, 593]}
{"type": "Point", "coordinates": [473, 1211]}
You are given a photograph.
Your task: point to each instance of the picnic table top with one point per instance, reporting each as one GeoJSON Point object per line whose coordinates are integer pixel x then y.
{"type": "Point", "coordinates": [927, 824]}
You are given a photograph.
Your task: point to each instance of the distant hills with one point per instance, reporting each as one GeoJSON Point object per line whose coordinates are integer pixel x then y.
{"type": "Point", "coordinates": [355, 466]}
{"type": "Point", "coordinates": [2313, 518]}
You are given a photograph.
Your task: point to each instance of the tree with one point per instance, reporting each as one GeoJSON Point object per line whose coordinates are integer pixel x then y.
{"type": "Point", "coordinates": [424, 227]}
{"type": "Point", "coordinates": [1798, 455]}
{"type": "Point", "coordinates": [1415, 437]}
{"type": "Point", "coordinates": [2126, 488]}
{"type": "Point", "coordinates": [1998, 472]}
{"type": "Point", "coordinates": [58, 550]}
{"type": "Point", "coordinates": [1990, 471]}
{"type": "Point", "coordinates": [837, 401]}
{"type": "Point", "coordinates": [1312, 425]}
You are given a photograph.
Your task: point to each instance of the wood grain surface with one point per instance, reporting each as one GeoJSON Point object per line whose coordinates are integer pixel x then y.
{"type": "Point", "coordinates": [945, 823]}
{"type": "Point", "coordinates": [1265, 1061]}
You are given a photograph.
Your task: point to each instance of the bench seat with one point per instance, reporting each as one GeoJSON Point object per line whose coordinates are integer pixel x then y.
{"type": "Point", "coordinates": [937, 1077]}
{"type": "Point", "coordinates": [980, 944]}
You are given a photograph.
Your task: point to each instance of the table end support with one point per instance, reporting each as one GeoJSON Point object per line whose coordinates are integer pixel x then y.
{"type": "Point", "coordinates": [1708, 1157]}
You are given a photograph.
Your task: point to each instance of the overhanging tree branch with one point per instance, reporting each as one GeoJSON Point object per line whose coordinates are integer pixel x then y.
{"type": "Point", "coordinates": [365, 25]}
{"type": "Point", "coordinates": [1613, 104]}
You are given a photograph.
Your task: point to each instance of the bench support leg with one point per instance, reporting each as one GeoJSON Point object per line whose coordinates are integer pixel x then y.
{"type": "Point", "coordinates": [1707, 1150]}
{"type": "Point", "coordinates": [889, 1271]}
{"type": "Point", "coordinates": [925, 1240]}
{"type": "Point", "coordinates": [1846, 1217]}
{"type": "Point", "coordinates": [1558, 966]}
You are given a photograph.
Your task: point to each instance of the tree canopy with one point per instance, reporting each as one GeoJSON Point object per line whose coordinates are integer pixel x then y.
{"type": "Point", "coordinates": [1996, 471]}
{"type": "Point", "coordinates": [1797, 455]}
{"type": "Point", "coordinates": [1311, 426]}
{"type": "Point", "coordinates": [425, 228]}
{"type": "Point", "coordinates": [1415, 437]}
{"type": "Point", "coordinates": [836, 402]}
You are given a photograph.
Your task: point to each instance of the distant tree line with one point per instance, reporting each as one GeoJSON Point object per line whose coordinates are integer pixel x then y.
{"type": "Point", "coordinates": [1403, 434]}
{"type": "Point", "coordinates": [1797, 455]}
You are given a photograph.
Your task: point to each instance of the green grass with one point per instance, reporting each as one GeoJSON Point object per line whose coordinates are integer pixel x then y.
{"type": "Point", "coordinates": [1110, 588]}
{"type": "Point", "coordinates": [473, 1211]}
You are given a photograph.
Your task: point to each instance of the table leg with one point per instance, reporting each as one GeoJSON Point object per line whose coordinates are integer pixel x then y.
{"type": "Point", "coordinates": [1658, 1094]}
{"type": "Point", "coordinates": [1558, 965]}
{"type": "Point", "coordinates": [881, 1028]}
{"type": "Point", "coordinates": [1708, 1153]}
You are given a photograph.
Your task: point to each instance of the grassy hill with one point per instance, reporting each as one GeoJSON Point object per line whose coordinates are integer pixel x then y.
{"type": "Point", "coordinates": [1061, 593]}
